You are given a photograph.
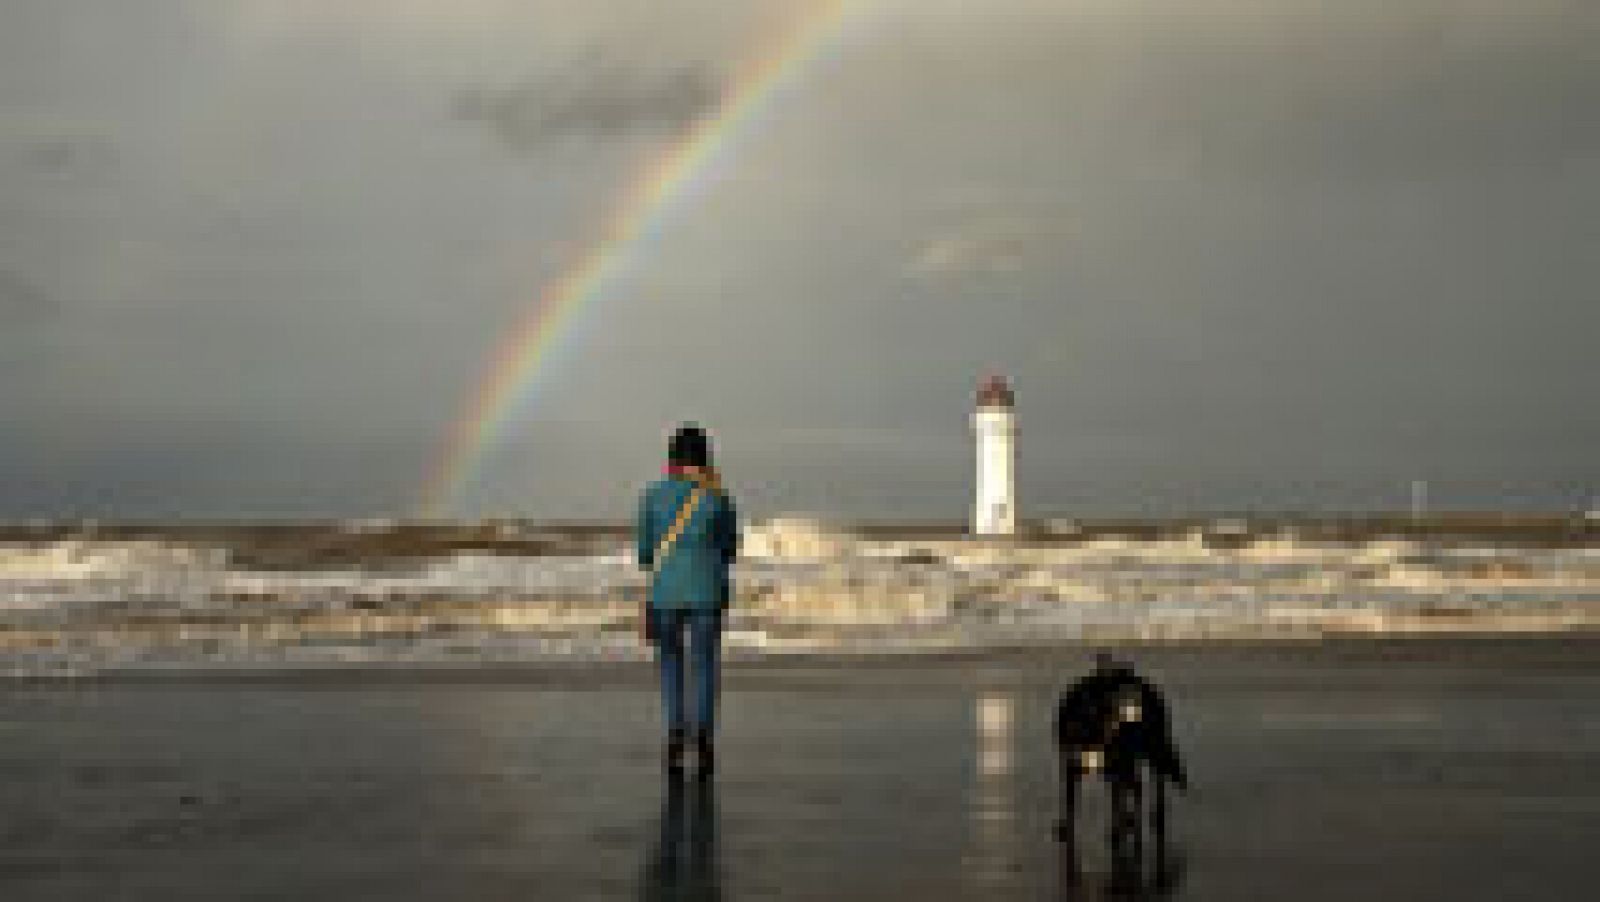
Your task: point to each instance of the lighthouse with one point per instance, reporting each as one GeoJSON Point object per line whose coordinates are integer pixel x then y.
{"type": "Point", "coordinates": [994, 511]}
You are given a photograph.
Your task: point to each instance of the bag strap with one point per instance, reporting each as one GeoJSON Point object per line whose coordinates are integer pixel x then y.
{"type": "Point", "coordinates": [684, 513]}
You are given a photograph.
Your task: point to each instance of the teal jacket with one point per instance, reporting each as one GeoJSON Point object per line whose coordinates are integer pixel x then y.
{"type": "Point", "coordinates": [694, 575]}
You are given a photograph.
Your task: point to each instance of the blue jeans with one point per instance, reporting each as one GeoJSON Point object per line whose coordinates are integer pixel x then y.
{"type": "Point", "coordinates": [705, 646]}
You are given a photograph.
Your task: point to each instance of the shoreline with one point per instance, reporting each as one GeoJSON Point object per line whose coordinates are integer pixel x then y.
{"type": "Point", "coordinates": [1577, 648]}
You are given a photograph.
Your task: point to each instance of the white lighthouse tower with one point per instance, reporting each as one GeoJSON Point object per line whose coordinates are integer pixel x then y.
{"type": "Point", "coordinates": [994, 510]}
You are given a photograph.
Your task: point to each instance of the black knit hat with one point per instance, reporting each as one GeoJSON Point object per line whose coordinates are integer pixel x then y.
{"type": "Point", "coordinates": [690, 447]}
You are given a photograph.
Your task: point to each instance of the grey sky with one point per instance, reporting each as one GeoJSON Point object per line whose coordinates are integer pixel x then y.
{"type": "Point", "coordinates": [1235, 254]}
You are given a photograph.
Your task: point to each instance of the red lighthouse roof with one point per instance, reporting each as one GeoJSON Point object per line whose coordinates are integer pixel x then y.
{"type": "Point", "coordinates": [994, 391]}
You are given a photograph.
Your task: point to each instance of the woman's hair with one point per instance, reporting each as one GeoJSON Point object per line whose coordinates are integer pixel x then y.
{"type": "Point", "coordinates": [689, 447]}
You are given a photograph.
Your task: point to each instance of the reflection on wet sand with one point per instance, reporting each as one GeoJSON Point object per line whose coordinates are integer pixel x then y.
{"type": "Point", "coordinates": [843, 780]}
{"type": "Point", "coordinates": [682, 863]}
{"type": "Point", "coordinates": [1135, 872]}
{"type": "Point", "coordinates": [994, 802]}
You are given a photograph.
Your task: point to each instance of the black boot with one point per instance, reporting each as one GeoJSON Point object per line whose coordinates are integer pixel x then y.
{"type": "Point", "coordinates": [705, 752]}
{"type": "Point", "coordinates": [674, 751]}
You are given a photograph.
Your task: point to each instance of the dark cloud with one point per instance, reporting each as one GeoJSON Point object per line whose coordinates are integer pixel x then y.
{"type": "Point", "coordinates": [1236, 252]}
{"type": "Point", "coordinates": [61, 155]}
{"type": "Point", "coordinates": [161, 464]}
{"type": "Point", "coordinates": [591, 99]}
{"type": "Point", "coordinates": [23, 302]}
{"type": "Point", "coordinates": [1426, 92]}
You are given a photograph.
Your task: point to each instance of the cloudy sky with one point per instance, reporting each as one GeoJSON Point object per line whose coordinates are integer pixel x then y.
{"type": "Point", "coordinates": [1233, 253]}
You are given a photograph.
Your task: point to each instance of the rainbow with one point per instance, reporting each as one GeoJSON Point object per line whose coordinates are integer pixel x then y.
{"type": "Point", "coordinates": [658, 189]}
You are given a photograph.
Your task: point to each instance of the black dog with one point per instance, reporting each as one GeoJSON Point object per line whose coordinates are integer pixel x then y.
{"type": "Point", "coordinates": [1115, 723]}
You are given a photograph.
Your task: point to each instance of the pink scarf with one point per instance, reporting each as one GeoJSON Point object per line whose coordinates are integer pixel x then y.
{"type": "Point", "coordinates": [705, 477]}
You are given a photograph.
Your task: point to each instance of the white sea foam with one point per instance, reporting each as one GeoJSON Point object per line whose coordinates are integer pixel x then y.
{"type": "Point", "coordinates": [76, 605]}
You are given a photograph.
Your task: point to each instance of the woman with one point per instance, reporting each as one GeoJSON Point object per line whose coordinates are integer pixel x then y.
{"type": "Point", "coordinates": [688, 537]}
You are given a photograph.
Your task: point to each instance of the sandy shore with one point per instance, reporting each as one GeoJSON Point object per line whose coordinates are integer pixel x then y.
{"type": "Point", "coordinates": [1416, 768]}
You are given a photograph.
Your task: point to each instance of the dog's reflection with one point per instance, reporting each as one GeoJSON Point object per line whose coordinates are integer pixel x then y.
{"type": "Point", "coordinates": [682, 863]}
{"type": "Point", "coordinates": [1136, 871]}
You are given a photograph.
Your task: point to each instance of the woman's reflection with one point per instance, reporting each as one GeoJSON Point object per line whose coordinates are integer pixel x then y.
{"type": "Point", "coordinates": [683, 861]}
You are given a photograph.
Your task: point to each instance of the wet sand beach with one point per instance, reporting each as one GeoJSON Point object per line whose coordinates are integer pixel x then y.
{"type": "Point", "coordinates": [1402, 768]}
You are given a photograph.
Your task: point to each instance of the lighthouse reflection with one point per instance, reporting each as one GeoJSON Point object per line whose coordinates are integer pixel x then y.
{"type": "Point", "coordinates": [682, 863]}
{"type": "Point", "coordinates": [994, 804]}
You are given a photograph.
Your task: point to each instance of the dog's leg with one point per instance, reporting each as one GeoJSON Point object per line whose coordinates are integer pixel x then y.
{"type": "Point", "coordinates": [1136, 815]}
{"type": "Point", "coordinates": [1158, 811]}
{"type": "Point", "coordinates": [1126, 809]}
{"type": "Point", "coordinates": [1068, 774]}
{"type": "Point", "coordinates": [1119, 804]}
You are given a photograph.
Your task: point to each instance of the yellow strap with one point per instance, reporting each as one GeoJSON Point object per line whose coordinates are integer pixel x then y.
{"type": "Point", "coordinates": [671, 537]}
